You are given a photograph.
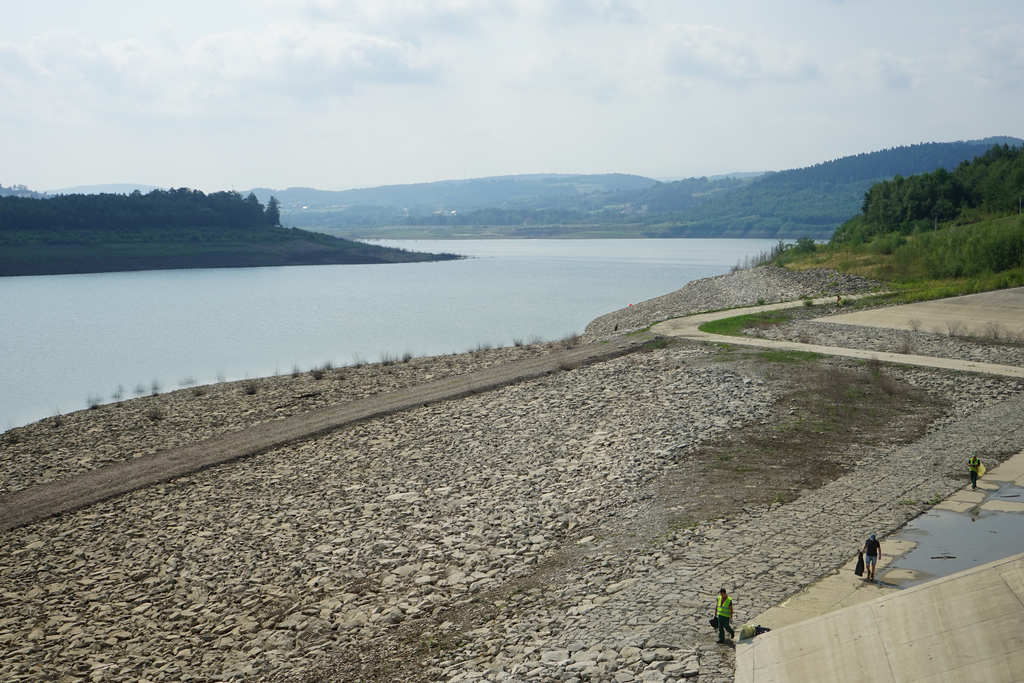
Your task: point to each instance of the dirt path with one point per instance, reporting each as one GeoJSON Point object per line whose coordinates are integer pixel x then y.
{"type": "Point", "coordinates": [45, 500]}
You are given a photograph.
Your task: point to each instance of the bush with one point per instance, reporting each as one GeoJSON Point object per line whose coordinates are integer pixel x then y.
{"type": "Point", "coordinates": [887, 244]}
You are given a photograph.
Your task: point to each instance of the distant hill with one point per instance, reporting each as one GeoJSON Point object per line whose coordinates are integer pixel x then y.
{"type": "Point", "coordinates": [811, 201]}
{"type": "Point", "coordinates": [109, 188]}
{"type": "Point", "coordinates": [181, 228]}
{"type": "Point", "coordinates": [19, 191]}
{"type": "Point", "coordinates": [522, 191]}
{"type": "Point", "coordinates": [805, 202]}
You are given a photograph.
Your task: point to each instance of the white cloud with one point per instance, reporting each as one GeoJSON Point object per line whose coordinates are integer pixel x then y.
{"type": "Point", "coordinates": [876, 70]}
{"type": "Point", "coordinates": [993, 57]}
{"type": "Point", "coordinates": [304, 63]}
{"type": "Point", "coordinates": [712, 53]}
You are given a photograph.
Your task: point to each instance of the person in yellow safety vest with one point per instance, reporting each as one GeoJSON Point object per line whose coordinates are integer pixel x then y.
{"type": "Point", "coordinates": [724, 612]}
{"type": "Point", "coordinates": [974, 463]}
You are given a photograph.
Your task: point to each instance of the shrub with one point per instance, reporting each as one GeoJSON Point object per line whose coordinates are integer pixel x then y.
{"type": "Point", "coordinates": [250, 388]}
{"type": "Point", "coordinates": [571, 340]}
{"type": "Point", "coordinates": [155, 413]}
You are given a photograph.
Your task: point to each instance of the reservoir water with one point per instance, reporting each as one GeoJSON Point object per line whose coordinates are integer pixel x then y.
{"type": "Point", "coordinates": [69, 339]}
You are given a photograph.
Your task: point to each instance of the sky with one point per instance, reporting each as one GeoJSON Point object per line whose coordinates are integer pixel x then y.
{"type": "Point", "coordinates": [334, 94]}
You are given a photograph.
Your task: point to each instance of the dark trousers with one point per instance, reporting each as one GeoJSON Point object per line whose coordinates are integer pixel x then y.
{"type": "Point", "coordinates": [723, 626]}
{"type": "Point", "coordinates": [974, 479]}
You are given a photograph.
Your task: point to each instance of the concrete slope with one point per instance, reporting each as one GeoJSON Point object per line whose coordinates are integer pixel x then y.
{"type": "Point", "coordinates": [964, 627]}
{"type": "Point", "coordinates": [986, 314]}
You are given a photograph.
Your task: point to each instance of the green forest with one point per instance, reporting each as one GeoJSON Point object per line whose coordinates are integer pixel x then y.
{"type": "Point", "coordinates": [178, 228]}
{"type": "Point", "coordinates": [990, 185]}
{"type": "Point", "coordinates": [939, 226]}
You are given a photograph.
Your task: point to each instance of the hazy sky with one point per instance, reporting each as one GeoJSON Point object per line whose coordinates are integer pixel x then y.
{"type": "Point", "coordinates": [218, 94]}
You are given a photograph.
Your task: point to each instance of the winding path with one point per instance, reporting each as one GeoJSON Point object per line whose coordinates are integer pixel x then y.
{"type": "Point", "coordinates": [688, 328]}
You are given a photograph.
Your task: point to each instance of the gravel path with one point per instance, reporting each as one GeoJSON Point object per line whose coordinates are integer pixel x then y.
{"type": "Point", "coordinates": [740, 288]}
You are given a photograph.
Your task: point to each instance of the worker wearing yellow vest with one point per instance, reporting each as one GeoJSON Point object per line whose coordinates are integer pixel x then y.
{"type": "Point", "coordinates": [973, 464]}
{"type": "Point", "coordinates": [724, 612]}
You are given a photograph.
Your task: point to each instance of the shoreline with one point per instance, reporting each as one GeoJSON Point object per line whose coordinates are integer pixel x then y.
{"type": "Point", "coordinates": [562, 526]}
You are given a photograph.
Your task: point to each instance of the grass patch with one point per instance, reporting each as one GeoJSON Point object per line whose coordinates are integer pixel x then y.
{"type": "Point", "coordinates": [735, 325]}
{"type": "Point", "coordinates": [789, 356]}
{"type": "Point", "coordinates": [952, 261]}
{"type": "Point", "coordinates": [656, 343]}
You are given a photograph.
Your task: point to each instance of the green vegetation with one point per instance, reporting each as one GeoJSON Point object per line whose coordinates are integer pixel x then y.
{"type": "Point", "coordinates": [990, 185]}
{"type": "Point", "coordinates": [164, 229]}
{"type": "Point", "coordinates": [734, 326]}
{"type": "Point", "coordinates": [789, 356]}
{"type": "Point", "coordinates": [656, 343]}
{"type": "Point", "coordinates": [935, 235]}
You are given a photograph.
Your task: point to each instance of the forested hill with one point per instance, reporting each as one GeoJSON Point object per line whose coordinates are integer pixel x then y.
{"type": "Point", "coordinates": [804, 202]}
{"type": "Point", "coordinates": [906, 160]}
{"type": "Point", "coordinates": [989, 186]}
{"type": "Point", "coordinates": [814, 201]}
{"type": "Point", "coordinates": [177, 228]}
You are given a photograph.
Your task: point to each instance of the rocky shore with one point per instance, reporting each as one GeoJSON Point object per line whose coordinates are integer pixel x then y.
{"type": "Point", "coordinates": [554, 530]}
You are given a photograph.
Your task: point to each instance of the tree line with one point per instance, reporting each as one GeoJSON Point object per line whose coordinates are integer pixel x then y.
{"type": "Point", "coordinates": [989, 185]}
{"type": "Point", "coordinates": [178, 212]}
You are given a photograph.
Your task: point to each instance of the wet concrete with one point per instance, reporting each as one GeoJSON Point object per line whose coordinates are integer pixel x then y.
{"type": "Point", "coordinates": [947, 541]}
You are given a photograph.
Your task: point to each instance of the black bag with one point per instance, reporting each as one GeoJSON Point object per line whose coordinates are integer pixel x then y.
{"type": "Point", "coordinates": [859, 571]}
{"type": "Point", "coordinates": [714, 621]}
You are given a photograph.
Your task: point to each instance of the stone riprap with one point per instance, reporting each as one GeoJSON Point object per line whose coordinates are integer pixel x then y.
{"type": "Point", "coordinates": [767, 284]}
{"type": "Point", "coordinates": [85, 440]}
{"type": "Point", "coordinates": [253, 567]}
{"type": "Point", "coordinates": [999, 350]}
{"type": "Point", "coordinates": [532, 500]}
{"type": "Point", "coordinates": [265, 567]}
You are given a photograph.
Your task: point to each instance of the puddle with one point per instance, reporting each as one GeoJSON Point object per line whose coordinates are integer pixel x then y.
{"type": "Point", "coordinates": [949, 542]}
{"type": "Point", "coordinates": [1009, 492]}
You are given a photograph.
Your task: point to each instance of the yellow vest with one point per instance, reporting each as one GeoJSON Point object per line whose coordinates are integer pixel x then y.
{"type": "Point", "coordinates": [973, 464]}
{"type": "Point", "coordinates": [724, 607]}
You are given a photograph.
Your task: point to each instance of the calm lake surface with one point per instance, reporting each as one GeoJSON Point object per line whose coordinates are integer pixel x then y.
{"type": "Point", "coordinates": [67, 338]}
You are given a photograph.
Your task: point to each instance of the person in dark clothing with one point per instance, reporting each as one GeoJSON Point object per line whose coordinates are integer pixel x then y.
{"type": "Point", "coordinates": [872, 549]}
{"type": "Point", "coordinates": [724, 611]}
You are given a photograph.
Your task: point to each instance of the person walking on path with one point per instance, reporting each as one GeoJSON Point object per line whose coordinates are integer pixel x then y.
{"type": "Point", "coordinates": [724, 612]}
{"type": "Point", "coordinates": [973, 464]}
{"type": "Point", "coordinates": [872, 549]}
